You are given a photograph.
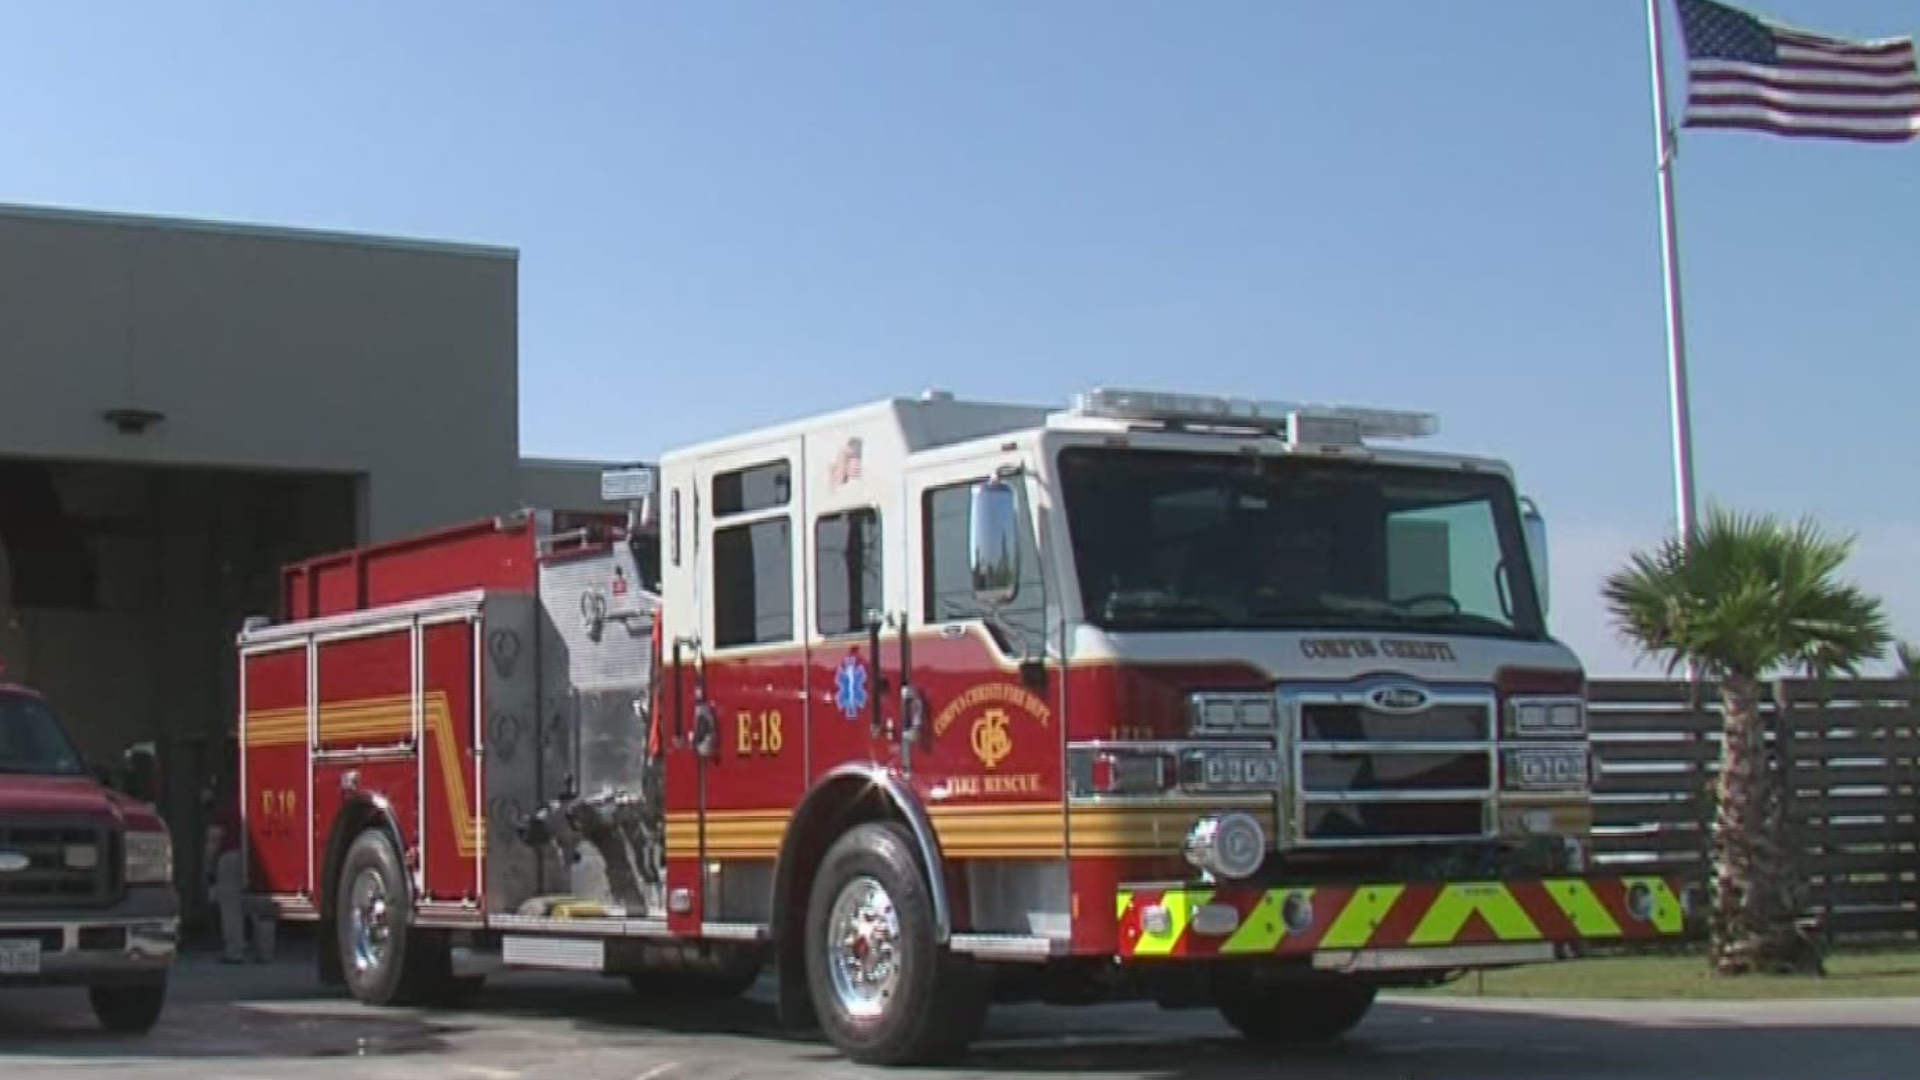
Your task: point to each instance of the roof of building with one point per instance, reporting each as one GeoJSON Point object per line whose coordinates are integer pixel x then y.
{"type": "Point", "coordinates": [264, 232]}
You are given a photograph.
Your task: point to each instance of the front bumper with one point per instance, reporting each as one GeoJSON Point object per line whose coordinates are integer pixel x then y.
{"type": "Point", "coordinates": [1400, 926]}
{"type": "Point", "coordinates": [133, 941]}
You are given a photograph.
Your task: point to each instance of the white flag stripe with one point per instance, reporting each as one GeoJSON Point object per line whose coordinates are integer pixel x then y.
{"type": "Point", "coordinates": [1840, 103]}
{"type": "Point", "coordinates": [1784, 118]}
{"type": "Point", "coordinates": [1891, 81]}
{"type": "Point", "coordinates": [1876, 47]}
{"type": "Point", "coordinates": [1890, 62]}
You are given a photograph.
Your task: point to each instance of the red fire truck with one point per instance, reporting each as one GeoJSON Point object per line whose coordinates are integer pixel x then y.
{"type": "Point", "coordinates": [930, 704]}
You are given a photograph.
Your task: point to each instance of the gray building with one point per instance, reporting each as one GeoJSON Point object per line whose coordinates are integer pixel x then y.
{"type": "Point", "coordinates": [184, 407]}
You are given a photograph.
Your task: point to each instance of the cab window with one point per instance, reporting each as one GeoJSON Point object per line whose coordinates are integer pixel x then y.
{"type": "Point", "coordinates": [847, 570]}
{"type": "Point", "coordinates": [752, 556]}
{"type": "Point", "coordinates": [949, 576]}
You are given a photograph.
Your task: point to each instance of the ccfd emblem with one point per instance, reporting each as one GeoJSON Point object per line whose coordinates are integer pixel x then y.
{"type": "Point", "coordinates": [991, 742]}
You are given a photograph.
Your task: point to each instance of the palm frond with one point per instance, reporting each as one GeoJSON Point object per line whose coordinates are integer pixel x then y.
{"type": "Point", "coordinates": [1749, 596]}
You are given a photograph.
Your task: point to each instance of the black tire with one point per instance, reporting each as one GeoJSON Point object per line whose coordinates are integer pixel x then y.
{"type": "Point", "coordinates": [1285, 1014]}
{"type": "Point", "coordinates": [412, 968]}
{"type": "Point", "coordinates": [937, 1002]}
{"type": "Point", "coordinates": [129, 1010]}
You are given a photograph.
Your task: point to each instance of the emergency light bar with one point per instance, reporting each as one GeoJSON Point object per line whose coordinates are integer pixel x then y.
{"type": "Point", "coordinates": [1300, 422]}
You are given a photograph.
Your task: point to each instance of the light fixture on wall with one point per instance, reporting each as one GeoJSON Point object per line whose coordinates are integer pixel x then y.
{"type": "Point", "coordinates": [132, 421]}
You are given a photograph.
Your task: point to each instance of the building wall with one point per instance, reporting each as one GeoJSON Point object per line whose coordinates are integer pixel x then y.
{"type": "Point", "coordinates": [266, 349]}
{"type": "Point", "coordinates": [561, 484]}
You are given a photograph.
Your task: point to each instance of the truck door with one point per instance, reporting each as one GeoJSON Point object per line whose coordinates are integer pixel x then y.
{"type": "Point", "coordinates": [987, 754]}
{"type": "Point", "coordinates": [747, 571]}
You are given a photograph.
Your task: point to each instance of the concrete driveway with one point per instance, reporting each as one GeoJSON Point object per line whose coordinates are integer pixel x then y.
{"type": "Point", "coordinates": [272, 1022]}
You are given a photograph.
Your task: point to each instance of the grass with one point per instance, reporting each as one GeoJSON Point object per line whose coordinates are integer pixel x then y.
{"type": "Point", "coordinates": [1892, 972]}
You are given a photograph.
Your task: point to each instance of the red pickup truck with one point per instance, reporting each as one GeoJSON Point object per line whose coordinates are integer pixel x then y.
{"type": "Point", "coordinates": [86, 874]}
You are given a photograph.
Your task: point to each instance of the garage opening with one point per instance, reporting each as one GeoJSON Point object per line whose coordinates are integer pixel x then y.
{"type": "Point", "coordinates": [121, 590]}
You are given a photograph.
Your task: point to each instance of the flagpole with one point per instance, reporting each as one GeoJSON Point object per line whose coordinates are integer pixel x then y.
{"type": "Point", "coordinates": [1664, 148]}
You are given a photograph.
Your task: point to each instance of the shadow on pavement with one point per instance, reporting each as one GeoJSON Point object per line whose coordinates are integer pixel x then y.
{"type": "Point", "coordinates": [278, 1012]}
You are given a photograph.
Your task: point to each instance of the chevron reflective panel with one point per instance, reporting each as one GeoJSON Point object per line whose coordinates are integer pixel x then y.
{"type": "Point", "coordinates": [1298, 920]}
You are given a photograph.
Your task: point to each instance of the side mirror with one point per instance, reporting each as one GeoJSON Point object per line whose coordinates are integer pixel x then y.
{"type": "Point", "coordinates": [1536, 529]}
{"type": "Point", "coordinates": [142, 772]}
{"type": "Point", "coordinates": [994, 543]}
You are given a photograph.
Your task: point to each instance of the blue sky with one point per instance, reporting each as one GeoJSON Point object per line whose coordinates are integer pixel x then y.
{"type": "Point", "coordinates": [732, 213]}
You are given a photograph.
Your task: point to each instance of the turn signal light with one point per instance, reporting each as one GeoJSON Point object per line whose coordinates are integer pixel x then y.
{"type": "Point", "coordinates": [1120, 773]}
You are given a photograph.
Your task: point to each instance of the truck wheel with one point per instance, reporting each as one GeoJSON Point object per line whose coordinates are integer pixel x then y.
{"type": "Point", "coordinates": [1278, 1014]}
{"type": "Point", "coordinates": [385, 958]}
{"type": "Point", "coordinates": [885, 991]}
{"type": "Point", "coordinates": [130, 1010]}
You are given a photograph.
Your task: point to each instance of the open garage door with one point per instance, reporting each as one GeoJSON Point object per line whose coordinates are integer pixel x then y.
{"type": "Point", "coordinates": [121, 590]}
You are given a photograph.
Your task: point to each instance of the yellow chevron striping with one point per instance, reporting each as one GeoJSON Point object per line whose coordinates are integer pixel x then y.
{"type": "Point", "coordinates": [1589, 916]}
{"type": "Point", "coordinates": [1265, 927]}
{"type": "Point", "coordinates": [1457, 903]}
{"type": "Point", "coordinates": [1180, 907]}
{"type": "Point", "coordinates": [1361, 915]}
{"type": "Point", "coordinates": [1667, 914]}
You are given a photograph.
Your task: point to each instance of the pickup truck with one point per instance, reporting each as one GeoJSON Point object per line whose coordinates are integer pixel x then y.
{"type": "Point", "coordinates": [87, 896]}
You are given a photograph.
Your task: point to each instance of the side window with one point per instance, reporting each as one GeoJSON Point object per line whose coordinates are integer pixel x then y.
{"type": "Point", "coordinates": [847, 550]}
{"type": "Point", "coordinates": [949, 577]}
{"type": "Point", "coordinates": [753, 583]}
{"type": "Point", "coordinates": [743, 491]}
{"type": "Point", "coordinates": [752, 558]}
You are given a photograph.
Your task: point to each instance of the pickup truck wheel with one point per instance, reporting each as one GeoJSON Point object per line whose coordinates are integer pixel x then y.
{"type": "Point", "coordinates": [1279, 1014]}
{"type": "Point", "coordinates": [885, 991]}
{"type": "Point", "coordinates": [130, 1010]}
{"type": "Point", "coordinates": [386, 959]}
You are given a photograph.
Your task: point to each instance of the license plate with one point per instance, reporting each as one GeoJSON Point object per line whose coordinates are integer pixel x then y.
{"type": "Point", "coordinates": [19, 957]}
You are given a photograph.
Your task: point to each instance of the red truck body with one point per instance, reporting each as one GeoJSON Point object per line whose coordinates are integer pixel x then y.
{"type": "Point", "coordinates": [86, 874]}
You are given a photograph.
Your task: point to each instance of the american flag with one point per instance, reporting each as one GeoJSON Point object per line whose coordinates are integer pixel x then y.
{"type": "Point", "coordinates": [1745, 72]}
{"type": "Point", "coordinates": [846, 464]}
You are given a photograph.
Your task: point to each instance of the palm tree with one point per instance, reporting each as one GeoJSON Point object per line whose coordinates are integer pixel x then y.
{"type": "Point", "coordinates": [1909, 660]}
{"type": "Point", "coordinates": [1748, 598]}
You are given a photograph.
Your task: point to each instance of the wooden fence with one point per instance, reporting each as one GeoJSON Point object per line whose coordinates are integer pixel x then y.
{"type": "Point", "coordinates": [1854, 776]}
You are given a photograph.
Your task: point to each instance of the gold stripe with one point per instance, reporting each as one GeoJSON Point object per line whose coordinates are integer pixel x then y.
{"type": "Point", "coordinates": [389, 717]}
{"type": "Point", "coordinates": [1146, 830]}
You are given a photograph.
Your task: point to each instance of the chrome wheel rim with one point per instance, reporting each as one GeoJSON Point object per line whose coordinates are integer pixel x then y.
{"type": "Point", "coordinates": [372, 920]}
{"type": "Point", "coordinates": [863, 936]}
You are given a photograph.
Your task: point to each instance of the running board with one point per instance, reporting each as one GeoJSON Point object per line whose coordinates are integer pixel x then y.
{"type": "Point", "coordinates": [1019, 948]}
{"type": "Point", "coordinates": [1454, 956]}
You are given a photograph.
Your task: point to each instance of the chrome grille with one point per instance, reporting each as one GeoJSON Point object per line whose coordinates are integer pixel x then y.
{"type": "Point", "coordinates": [67, 863]}
{"type": "Point", "coordinates": [1371, 775]}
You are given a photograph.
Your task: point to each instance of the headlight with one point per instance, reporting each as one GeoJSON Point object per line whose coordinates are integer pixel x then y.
{"type": "Point", "coordinates": [1547, 716]}
{"type": "Point", "coordinates": [1229, 846]}
{"type": "Point", "coordinates": [149, 858]}
{"type": "Point", "coordinates": [1231, 770]}
{"type": "Point", "coordinates": [1548, 769]}
{"type": "Point", "coordinates": [1232, 714]}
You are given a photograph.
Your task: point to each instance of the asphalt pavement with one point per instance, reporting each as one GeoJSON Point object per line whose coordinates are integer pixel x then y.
{"type": "Point", "coordinates": [274, 1022]}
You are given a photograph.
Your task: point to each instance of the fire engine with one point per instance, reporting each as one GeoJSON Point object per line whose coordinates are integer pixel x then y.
{"type": "Point", "coordinates": [931, 704]}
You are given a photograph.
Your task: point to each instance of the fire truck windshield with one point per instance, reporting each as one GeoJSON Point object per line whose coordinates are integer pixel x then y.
{"type": "Point", "coordinates": [32, 741]}
{"type": "Point", "coordinates": [1180, 540]}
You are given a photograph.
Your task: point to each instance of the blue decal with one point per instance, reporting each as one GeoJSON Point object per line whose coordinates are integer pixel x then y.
{"type": "Point", "coordinates": [850, 686]}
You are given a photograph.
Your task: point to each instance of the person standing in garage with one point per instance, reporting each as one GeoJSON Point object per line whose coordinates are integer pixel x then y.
{"type": "Point", "coordinates": [229, 875]}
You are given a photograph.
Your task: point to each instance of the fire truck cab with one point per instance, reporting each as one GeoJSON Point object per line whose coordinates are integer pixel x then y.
{"type": "Point", "coordinates": [932, 703]}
